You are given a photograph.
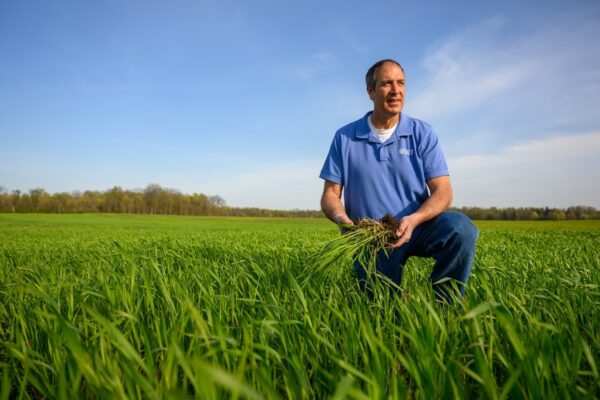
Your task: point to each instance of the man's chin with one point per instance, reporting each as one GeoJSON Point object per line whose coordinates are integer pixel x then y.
{"type": "Point", "coordinates": [394, 111]}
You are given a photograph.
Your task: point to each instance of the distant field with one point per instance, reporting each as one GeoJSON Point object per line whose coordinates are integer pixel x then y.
{"type": "Point", "coordinates": [113, 306]}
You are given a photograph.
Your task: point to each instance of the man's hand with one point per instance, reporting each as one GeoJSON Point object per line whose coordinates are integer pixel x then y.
{"type": "Point", "coordinates": [343, 221]}
{"type": "Point", "coordinates": [437, 202]}
{"type": "Point", "coordinates": [405, 230]}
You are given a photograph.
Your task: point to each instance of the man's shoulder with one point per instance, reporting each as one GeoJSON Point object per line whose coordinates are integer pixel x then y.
{"type": "Point", "coordinates": [350, 129]}
{"type": "Point", "coordinates": [415, 125]}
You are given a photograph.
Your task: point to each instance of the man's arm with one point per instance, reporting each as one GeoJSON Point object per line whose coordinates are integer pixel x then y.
{"type": "Point", "coordinates": [331, 203]}
{"type": "Point", "coordinates": [438, 201]}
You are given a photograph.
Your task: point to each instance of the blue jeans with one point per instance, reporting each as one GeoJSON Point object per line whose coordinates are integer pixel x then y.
{"type": "Point", "coordinates": [448, 238]}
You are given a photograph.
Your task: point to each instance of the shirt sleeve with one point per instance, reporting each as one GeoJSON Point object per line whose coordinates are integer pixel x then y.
{"type": "Point", "coordinates": [333, 169]}
{"type": "Point", "coordinates": [434, 162]}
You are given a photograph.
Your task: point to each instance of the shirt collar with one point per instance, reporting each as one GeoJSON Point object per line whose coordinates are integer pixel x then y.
{"type": "Point", "coordinates": [364, 132]}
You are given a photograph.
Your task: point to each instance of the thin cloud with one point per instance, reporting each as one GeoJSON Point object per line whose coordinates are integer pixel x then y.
{"type": "Point", "coordinates": [557, 171]}
{"type": "Point", "coordinates": [289, 185]}
{"type": "Point", "coordinates": [547, 150]}
{"type": "Point", "coordinates": [485, 64]}
{"type": "Point", "coordinates": [314, 65]}
{"type": "Point", "coordinates": [466, 70]}
{"type": "Point", "coordinates": [351, 38]}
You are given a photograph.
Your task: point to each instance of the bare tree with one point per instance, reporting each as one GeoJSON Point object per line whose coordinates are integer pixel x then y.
{"type": "Point", "coordinates": [217, 201]}
{"type": "Point", "coordinates": [152, 197]}
{"type": "Point", "coordinates": [37, 195]}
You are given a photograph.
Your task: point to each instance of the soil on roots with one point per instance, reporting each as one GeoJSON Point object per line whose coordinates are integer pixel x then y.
{"type": "Point", "coordinates": [388, 224]}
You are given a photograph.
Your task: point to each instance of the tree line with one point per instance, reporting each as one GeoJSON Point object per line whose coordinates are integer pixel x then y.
{"type": "Point", "coordinates": [530, 213]}
{"type": "Point", "coordinates": [155, 199]}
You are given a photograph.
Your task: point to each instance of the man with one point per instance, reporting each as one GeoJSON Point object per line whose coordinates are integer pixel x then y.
{"type": "Point", "coordinates": [388, 162]}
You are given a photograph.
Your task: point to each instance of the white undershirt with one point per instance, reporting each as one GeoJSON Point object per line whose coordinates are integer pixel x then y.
{"type": "Point", "coordinates": [381, 134]}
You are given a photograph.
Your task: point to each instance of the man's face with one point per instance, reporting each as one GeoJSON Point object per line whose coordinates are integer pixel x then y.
{"type": "Point", "coordinates": [388, 93]}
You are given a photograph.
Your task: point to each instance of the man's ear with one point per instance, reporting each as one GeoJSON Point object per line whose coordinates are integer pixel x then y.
{"type": "Point", "coordinates": [370, 91]}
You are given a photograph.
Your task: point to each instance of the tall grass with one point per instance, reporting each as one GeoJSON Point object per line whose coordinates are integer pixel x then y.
{"type": "Point", "coordinates": [159, 307]}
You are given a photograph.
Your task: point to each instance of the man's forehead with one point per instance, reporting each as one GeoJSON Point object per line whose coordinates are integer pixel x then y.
{"type": "Point", "coordinates": [390, 70]}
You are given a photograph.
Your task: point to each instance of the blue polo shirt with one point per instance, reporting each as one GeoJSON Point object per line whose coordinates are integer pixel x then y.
{"type": "Point", "coordinates": [390, 177]}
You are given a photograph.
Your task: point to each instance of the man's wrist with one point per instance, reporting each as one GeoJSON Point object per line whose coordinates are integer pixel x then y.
{"type": "Point", "coordinates": [416, 218]}
{"type": "Point", "coordinates": [340, 219]}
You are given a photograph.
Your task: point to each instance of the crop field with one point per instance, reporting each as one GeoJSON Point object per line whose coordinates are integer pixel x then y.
{"type": "Point", "coordinates": [113, 306]}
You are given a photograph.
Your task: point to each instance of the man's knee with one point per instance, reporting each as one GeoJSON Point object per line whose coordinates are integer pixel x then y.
{"type": "Point", "coordinates": [461, 228]}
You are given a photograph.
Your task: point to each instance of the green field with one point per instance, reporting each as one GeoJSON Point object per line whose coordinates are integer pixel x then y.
{"type": "Point", "coordinates": [111, 306]}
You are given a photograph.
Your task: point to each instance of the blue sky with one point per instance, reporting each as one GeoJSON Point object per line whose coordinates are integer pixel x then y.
{"type": "Point", "coordinates": [242, 98]}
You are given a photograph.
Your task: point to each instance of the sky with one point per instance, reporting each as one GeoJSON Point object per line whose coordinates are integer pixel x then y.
{"type": "Point", "coordinates": [241, 99]}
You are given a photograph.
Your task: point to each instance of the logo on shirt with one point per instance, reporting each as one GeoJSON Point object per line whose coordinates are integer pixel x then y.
{"type": "Point", "coordinates": [405, 152]}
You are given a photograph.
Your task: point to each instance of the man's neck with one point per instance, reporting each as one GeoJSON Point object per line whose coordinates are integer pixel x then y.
{"type": "Point", "coordinates": [384, 121]}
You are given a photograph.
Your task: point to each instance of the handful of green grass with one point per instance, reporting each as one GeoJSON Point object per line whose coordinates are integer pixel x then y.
{"type": "Point", "coordinates": [359, 242]}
